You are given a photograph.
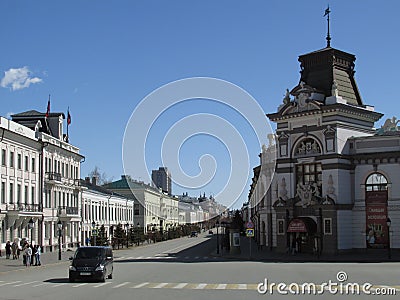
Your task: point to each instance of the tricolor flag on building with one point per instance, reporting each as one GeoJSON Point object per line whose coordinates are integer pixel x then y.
{"type": "Point", "coordinates": [48, 108]}
{"type": "Point", "coordinates": [68, 117]}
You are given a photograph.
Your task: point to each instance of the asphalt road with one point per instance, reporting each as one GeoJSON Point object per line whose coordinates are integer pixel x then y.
{"type": "Point", "coordinates": [186, 269]}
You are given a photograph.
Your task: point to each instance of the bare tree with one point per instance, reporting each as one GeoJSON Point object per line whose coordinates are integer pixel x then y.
{"type": "Point", "coordinates": [102, 178]}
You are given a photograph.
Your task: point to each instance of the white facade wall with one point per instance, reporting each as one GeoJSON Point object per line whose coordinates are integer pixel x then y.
{"type": "Point", "coordinates": [342, 135]}
{"type": "Point", "coordinates": [104, 209]}
{"type": "Point", "coordinates": [358, 227]}
{"type": "Point", "coordinates": [394, 215]}
{"type": "Point", "coordinates": [20, 183]}
{"type": "Point", "coordinates": [344, 229]}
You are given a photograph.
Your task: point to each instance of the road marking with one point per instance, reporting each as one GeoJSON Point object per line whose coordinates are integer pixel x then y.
{"type": "Point", "coordinates": [211, 286]}
{"type": "Point", "coordinates": [140, 285]}
{"type": "Point", "coordinates": [57, 285]}
{"type": "Point", "coordinates": [101, 284]}
{"type": "Point", "coordinates": [180, 285]}
{"type": "Point", "coordinates": [140, 257]}
{"type": "Point", "coordinates": [200, 286]}
{"type": "Point", "coordinates": [121, 284]}
{"type": "Point", "coordinates": [242, 286]}
{"type": "Point", "coordinates": [12, 282]}
{"type": "Point", "coordinates": [40, 284]}
{"type": "Point", "coordinates": [21, 284]}
{"type": "Point", "coordinates": [149, 257]}
{"type": "Point", "coordinates": [221, 286]}
{"type": "Point", "coordinates": [186, 257]}
{"type": "Point", "coordinates": [161, 285]}
{"type": "Point", "coordinates": [197, 257]}
{"type": "Point", "coordinates": [80, 284]}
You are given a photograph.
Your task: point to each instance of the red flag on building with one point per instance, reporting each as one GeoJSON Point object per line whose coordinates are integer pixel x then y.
{"type": "Point", "coordinates": [48, 108]}
{"type": "Point", "coordinates": [68, 117]}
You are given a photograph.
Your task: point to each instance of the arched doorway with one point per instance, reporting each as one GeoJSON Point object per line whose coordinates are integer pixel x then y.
{"type": "Point", "coordinates": [376, 198]}
{"type": "Point", "coordinates": [301, 233]}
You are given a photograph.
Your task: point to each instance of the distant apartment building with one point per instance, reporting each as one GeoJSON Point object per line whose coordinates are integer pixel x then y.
{"type": "Point", "coordinates": [162, 179]}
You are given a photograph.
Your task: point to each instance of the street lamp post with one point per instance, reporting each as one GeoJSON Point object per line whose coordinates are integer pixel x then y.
{"type": "Point", "coordinates": [31, 225]}
{"type": "Point", "coordinates": [127, 228]}
{"type": "Point", "coordinates": [389, 223]}
{"type": "Point", "coordinates": [59, 226]}
{"type": "Point", "coordinates": [138, 234]}
{"type": "Point", "coordinates": [217, 237]}
{"type": "Point", "coordinates": [93, 233]}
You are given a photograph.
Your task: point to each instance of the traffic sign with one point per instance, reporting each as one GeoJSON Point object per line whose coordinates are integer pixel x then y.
{"type": "Point", "coordinates": [249, 224]}
{"type": "Point", "coordinates": [249, 232]}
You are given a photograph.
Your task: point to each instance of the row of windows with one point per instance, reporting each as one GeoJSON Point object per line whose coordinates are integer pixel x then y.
{"type": "Point", "coordinates": [66, 170]}
{"type": "Point", "coordinates": [19, 162]}
{"type": "Point", "coordinates": [60, 199]}
{"type": "Point", "coordinates": [94, 212]}
{"type": "Point", "coordinates": [20, 197]}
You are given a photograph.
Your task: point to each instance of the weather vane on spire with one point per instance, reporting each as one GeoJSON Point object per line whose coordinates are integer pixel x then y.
{"type": "Point", "coordinates": [328, 36]}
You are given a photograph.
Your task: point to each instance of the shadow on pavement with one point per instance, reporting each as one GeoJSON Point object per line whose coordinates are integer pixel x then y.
{"type": "Point", "coordinates": [206, 252]}
{"type": "Point", "coordinates": [57, 280]}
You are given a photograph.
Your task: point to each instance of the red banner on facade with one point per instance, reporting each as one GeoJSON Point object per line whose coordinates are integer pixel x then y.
{"type": "Point", "coordinates": [297, 225]}
{"type": "Point", "coordinates": [376, 214]}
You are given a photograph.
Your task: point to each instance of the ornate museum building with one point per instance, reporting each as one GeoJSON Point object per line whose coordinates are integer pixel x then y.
{"type": "Point", "coordinates": [335, 183]}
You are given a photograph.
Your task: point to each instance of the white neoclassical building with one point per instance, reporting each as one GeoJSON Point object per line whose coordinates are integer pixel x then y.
{"type": "Point", "coordinates": [41, 188]}
{"type": "Point", "coordinates": [102, 207]}
{"type": "Point", "coordinates": [39, 174]}
{"type": "Point", "coordinates": [156, 211]}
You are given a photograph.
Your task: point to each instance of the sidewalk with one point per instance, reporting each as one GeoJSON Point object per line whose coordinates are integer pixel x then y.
{"type": "Point", "coordinates": [254, 253]}
{"type": "Point", "coordinates": [48, 258]}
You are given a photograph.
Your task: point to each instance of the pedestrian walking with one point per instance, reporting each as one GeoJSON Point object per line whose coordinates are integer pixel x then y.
{"type": "Point", "coordinates": [8, 250]}
{"type": "Point", "coordinates": [14, 248]}
{"type": "Point", "coordinates": [18, 252]}
{"type": "Point", "coordinates": [37, 255]}
{"type": "Point", "coordinates": [28, 255]}
{"type": "Point", "coordinates": [24, 247]}
{"type": "Point", "coordinates": [33, 256]}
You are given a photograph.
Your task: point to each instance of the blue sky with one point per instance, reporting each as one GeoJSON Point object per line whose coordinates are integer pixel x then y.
{"type": "Point", "coordinates": [101, 58]}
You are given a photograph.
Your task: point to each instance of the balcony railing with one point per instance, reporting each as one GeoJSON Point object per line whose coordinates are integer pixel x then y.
{"type": "Point", "coordinates": [23, 207]}
{"type": "Point", "coordinates": [67, 211]}
{"type": "Point", "coordinates": [53, 176]}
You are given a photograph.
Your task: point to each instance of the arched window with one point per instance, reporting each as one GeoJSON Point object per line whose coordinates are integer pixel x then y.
{"type": "Point", "coordinates": [376, 182]}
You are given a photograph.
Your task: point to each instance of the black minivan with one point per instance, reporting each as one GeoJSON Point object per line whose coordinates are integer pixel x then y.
{"type": "Point", "coordinates": [94, 262]}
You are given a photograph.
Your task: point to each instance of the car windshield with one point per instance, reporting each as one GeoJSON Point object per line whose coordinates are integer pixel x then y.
{"type": "Point", "coordinates": [88, 253]}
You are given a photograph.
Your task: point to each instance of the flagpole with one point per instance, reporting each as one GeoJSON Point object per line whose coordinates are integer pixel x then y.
{"type": "Point", "coordinates": [328, 36]}
{"type": "Point", "coordinates": [67, 124]}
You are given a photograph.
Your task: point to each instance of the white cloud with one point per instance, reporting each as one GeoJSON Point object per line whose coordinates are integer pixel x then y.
{"type": "Point", "coordinates": [18, 79]}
